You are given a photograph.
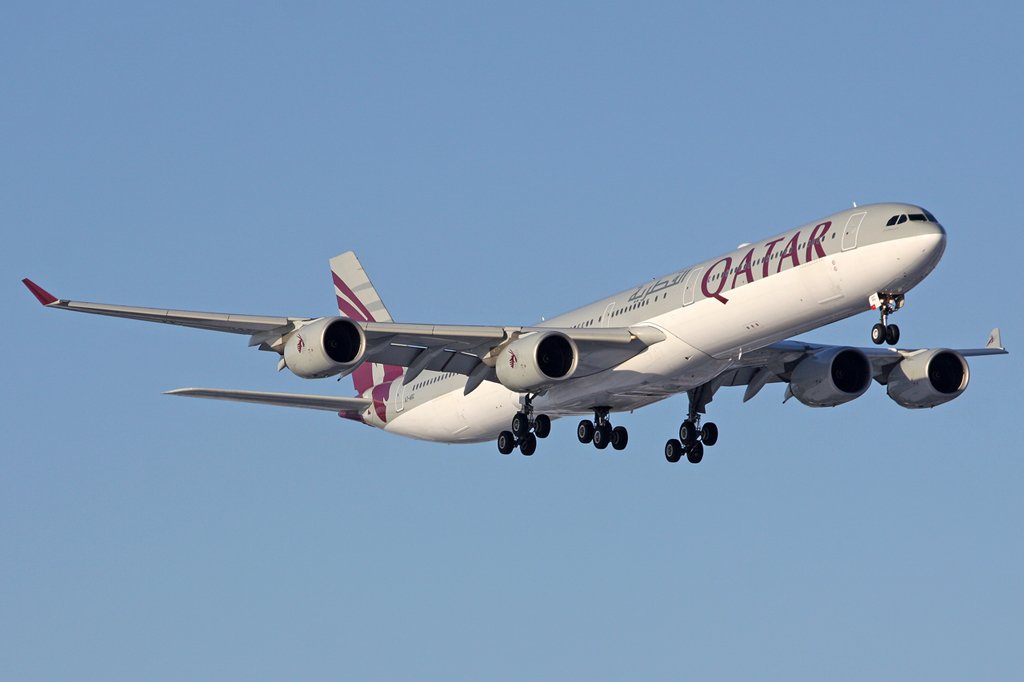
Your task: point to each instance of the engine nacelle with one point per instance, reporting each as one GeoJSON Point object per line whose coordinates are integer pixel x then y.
{"type": "Point", "coordinates": [831, 377]}
{"type": "Point", "coordinates": [929, 378]}
{"type": "Point", "coordinates": [536, 361]}
{"type": "Point", "coordinates": [325, 347]}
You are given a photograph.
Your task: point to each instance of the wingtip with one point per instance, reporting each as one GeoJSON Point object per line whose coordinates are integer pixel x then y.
{"type": "Point", "coordinates": [41, 294]}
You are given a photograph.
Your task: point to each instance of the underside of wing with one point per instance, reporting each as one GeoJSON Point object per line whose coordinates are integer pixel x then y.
{"type": "Point", "coordinates": [475, 350]}
{"type": "Point", "coordinates": [778, 362]}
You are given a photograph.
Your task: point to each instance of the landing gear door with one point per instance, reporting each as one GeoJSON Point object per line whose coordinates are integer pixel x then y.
{"type": "Point", "coordinates": [690, 287]}
{"type": "Point", "coordinates": [852, 228]}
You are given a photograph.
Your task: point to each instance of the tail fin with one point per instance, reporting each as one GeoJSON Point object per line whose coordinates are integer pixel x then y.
{"type": "Point", "coordinates": [359, 300]}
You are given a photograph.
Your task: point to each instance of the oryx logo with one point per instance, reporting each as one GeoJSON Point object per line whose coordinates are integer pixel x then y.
{"type": "Point", "coordinates": [300, 344]}
{"type": "Point", "coordinates": [512, 359]}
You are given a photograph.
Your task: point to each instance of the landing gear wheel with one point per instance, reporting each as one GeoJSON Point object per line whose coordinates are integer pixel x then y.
{"type": "Point", "coordinates": [520, 425]}
{"type": "Point", "coordinates": [673, 451]}
{"type": "Point", "coordinates": [878, 333]}
{"type": "Point", "coordinates": [528, 445]}
{"type": "Point", "coordinates": [542, 426]}
{"type": "Point", "coordinates": [506, 442]}
{"type": "Point", "coordinates": [892, 335]}
{"type": "Point", "coordinates": [695, 453]}
{"type": "Point", "coordinates": [709, 434]}
{"type": "Point", "coordinates": [585, 431]}
{"type": "Point", "coordinates": [620, 437]}
{"type": "Point", "coordinates": [688, 432]}
{"type": "Point", "coordinates": [602, 436]}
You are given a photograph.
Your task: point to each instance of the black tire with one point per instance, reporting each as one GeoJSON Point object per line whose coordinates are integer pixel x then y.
{"type": "Point", "coordinates": [620, 437]}
{"type": "Point", "coordinates": [602, 436]}
{"type": "Point", "coordinates": [542, 426]}
{"type": "Point", "coordinates": [528, 445]}
{"type": "Point", "coordinates": [709, 434]}
{"type": "Point", "coordinates": [878, 334]}
{"type": "Point", "coordinates": [506, 442]}
{"type": "Point", "coordinates": [892, 335]}
{"type": "Point", "coordinates": [695, 453]}
{"type": "Point", "coordinates": [520, 425]}
{"type": "Point", "coordinates": [673, 451]}
{"type": "Point", "coordinates": [688, 433]}
{"type": "Point", "coordinates": [585, 431]}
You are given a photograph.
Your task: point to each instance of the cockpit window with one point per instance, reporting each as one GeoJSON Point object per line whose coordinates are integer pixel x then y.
{"type": "Point", "coordinates": [922, 217]}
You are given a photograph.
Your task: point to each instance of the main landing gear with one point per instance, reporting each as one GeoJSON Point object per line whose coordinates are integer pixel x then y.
{"type": "Point", "coordinates": [600, 431]}
{"type": "Point", "coordinates": [693, 437]}
{"type": "Point", "coordinates": [526, 429]}
{"type": "Point", "coordinates": [887, 304]}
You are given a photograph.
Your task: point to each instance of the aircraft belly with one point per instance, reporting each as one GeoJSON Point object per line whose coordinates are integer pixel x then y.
{"type": "Point", "coordinates": [457, 418]}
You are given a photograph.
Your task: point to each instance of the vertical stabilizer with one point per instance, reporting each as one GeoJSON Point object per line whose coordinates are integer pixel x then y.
{"type": "Point", "coordinates": [359, 300]}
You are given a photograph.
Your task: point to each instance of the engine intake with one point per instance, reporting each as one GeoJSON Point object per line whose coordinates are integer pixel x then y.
{"type": "Point", "coordinates": [536, 361]}
{"type": "Point", "coordinates": [929, 378]}
{"type": "Point", "coordinates": [831, 377]}
{"type": "Point", "coordinates": [326, 347]}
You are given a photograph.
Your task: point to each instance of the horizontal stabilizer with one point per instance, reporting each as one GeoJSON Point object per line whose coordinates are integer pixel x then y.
{"type": "Point", "coordinates": [994, 346]}
{"type": "Point", "coordinates": [309, 402]}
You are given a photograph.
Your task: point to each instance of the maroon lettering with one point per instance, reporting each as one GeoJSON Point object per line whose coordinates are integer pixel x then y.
{"type": "Point", "coordinates": [791, 252]}
{"type": "Point", "coordinates": [769, 248]}
{"type": "Point", "coordinates": [744, 267]}
{"type": "Point", "coordinates": [815, 240]}
{"type": "Point", "coordinates": [717, 293]}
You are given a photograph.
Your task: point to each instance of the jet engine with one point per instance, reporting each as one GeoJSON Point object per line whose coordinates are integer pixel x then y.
{"type": "Point", "coordinates": [325, 347]}
{"type": "Point", "coordinates": [928, 378]}
{"type": "Point", "coordinates": [831, 377]}
{"type": "Point", "coordinates": [536, 361]}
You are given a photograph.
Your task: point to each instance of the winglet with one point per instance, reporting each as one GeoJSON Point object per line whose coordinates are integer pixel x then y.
{"type": "Point", "coordinates": [995, 340]}
{"type": "Point", "coordinates": [41, 294]}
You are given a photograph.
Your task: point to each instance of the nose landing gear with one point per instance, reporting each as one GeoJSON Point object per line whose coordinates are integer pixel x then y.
{"type": "Point", "coordinates": [886, 304]}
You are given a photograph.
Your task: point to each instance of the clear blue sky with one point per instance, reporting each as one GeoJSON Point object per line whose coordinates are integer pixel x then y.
{"type": "Point", "coordinates": [492, 164]}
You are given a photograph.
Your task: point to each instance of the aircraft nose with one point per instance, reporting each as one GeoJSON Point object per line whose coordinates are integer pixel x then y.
{"type": "Point", "coordinates": [938, 232]}
{"type": "Point", "coordinates": [932, 239]}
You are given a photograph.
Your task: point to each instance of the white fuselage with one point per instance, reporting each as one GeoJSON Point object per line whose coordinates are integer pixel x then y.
{"type": "Point", "coordinates": [710, 313]}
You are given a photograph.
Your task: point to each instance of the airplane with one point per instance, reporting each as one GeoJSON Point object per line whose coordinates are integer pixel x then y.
{"type": "Point", "coordinates": [726, 321]}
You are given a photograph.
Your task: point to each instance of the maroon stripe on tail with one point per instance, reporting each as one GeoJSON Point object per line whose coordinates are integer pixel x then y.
{"type": "Point", "coordinates": [343, 288]}
{"type": "Point", "coordinates": [362, 378]}
{"type": "Point", "coordinates": [348, 310]}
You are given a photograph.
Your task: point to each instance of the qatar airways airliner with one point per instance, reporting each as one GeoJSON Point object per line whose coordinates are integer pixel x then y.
{"type": "Point", "coordinates": [721, 322]}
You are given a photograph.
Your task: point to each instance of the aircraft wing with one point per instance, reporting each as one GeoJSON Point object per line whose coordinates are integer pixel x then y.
{"type": "Point", "coordinates": [775, 363]}
{"type": "Point", "coordinates": [460, 349]}
{"type": "Point", "coordinates": [310, 402]}
{"type": "Point", "coordinates": [471, 350]}
{"type": "Point", "coordinates": [221, 322]}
